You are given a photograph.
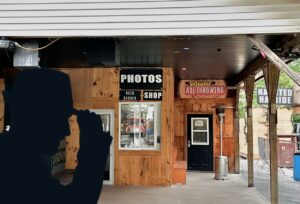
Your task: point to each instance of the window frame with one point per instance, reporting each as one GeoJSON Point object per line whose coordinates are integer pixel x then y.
{"type": "Point", "coordinates": [192, 131]}
{"type": "Point", "coordinates": [156, 104]}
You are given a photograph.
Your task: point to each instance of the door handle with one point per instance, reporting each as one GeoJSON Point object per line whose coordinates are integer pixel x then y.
{"type": "Point", "coordinates": [189, 143]}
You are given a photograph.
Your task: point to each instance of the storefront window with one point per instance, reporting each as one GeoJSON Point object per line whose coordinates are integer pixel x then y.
{"type": "Point", "coordinates": [140, 126]}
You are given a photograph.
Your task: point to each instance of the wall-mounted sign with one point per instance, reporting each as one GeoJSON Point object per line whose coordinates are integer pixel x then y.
{"type": "Point", "coordinates": [284, 96]}
{"type": "Point", "coordinates": [202, 89]}
{"type": "Point", "coordinates": [141, 79]}
{"type": "Point", "coordinates": [152, 95]}
{"type": "Point", "coordinates": [130, 95]}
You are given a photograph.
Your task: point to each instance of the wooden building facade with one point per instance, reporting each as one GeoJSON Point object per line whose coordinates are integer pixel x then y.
{"type": "Point", "coordinates": [185, 107]}
{"type": "Point", "coordinates": [195, 40]}
{"type": "Point", "coordinates": [98, 88]}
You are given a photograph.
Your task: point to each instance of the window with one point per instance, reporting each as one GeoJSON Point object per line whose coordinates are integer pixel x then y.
{"type": "Point", "coordinates": [200, 131]}
{"type": "Point", "coordinates": [296, 128]}
{"type": "Point", "coordinates": [139, 126]}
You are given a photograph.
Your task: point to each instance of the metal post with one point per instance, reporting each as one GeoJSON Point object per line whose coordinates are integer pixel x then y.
{"type": "Point", "coordinates": [221, 164]}
{"type": "Point", "coordinates": [221, 135]}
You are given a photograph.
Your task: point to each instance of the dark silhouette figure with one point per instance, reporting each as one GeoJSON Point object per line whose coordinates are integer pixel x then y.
{"type": "Point", "coordinates": [40, 104]}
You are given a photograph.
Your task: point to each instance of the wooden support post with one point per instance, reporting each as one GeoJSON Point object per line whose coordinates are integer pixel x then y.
{"type": "Point", "coordinates": [271, 74]}
{"type": "Point", "coordinates": [236, 133]}
{"type": "Point", "coordinates": [249, 88]}
{"type": "Point", "coordinates": [2, 88]}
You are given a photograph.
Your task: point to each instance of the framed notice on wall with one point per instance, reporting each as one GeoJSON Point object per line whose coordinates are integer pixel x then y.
{"type": "Point", "coordinates": [202, 89]}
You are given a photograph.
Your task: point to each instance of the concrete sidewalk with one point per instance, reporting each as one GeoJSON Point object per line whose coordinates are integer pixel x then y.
{"type": "Point", "coordinates": [200, 188]}
{"type": "Point", "coordinates": [288, 188]}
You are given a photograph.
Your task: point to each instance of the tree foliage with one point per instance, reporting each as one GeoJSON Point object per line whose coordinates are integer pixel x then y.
{"type": "Point", "coordinates": [296, 118]}
{"type": "Point", "coordinates": [284, 82]}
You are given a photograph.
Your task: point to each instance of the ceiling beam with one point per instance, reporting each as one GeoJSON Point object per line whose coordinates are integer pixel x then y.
{"type": "Point", "coordinates": [292, 43]}
{"type": "Point", "coordinates": [287, 43]}
{"type": "Point", "coordinates": [253, 68]}
{"type": "Point", "coordinates": [277, 61]}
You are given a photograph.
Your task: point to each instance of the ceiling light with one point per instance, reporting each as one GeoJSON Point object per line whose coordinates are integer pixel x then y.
{"type": "Point", "coordinates": [176, 51]}
{"type": "Point", "coordinates": [183, 69]}
{"type": "Point", "coordinates": [186, 48]}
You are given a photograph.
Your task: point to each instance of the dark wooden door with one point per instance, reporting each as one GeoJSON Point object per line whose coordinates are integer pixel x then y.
{"type": "Point", "coordinates": [200, 142]}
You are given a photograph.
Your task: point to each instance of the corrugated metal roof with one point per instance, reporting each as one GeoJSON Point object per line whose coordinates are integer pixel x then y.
{"type": "Point", "coordinates": [147, 17]}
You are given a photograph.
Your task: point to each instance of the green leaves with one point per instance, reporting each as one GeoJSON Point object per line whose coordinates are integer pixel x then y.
{"type": "Point", "coordinates": [284, 82]}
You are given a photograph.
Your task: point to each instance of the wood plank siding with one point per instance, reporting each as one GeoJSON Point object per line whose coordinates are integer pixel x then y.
{"type": "Point", "coordinates": [99, 89]}
{"type": "Point", "coordinates": [147, 18]}
{"type": "Point", "coordinates": [203, 106]}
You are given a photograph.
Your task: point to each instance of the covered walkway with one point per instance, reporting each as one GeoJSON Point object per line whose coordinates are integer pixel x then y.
{"type": "Point", "coordinates": [288, 188]}
{"type": "Point", "coordinates": [200, 188]}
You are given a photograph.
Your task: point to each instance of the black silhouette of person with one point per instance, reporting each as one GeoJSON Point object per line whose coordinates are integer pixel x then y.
{"type": "Point", "coordinates": [40, 105]}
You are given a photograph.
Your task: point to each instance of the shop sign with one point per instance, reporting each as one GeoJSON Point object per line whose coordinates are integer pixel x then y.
{"type": "Point", "coordinates": [152, 95]}
{"type": "Point", "coordinates": [130, 95]}
{"type": "Point", "coordinates": [284, 96]}
{"type": "Point", "coordinates": [202, 89]}
{"type": "Point", "coordinates": [141, 79]}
